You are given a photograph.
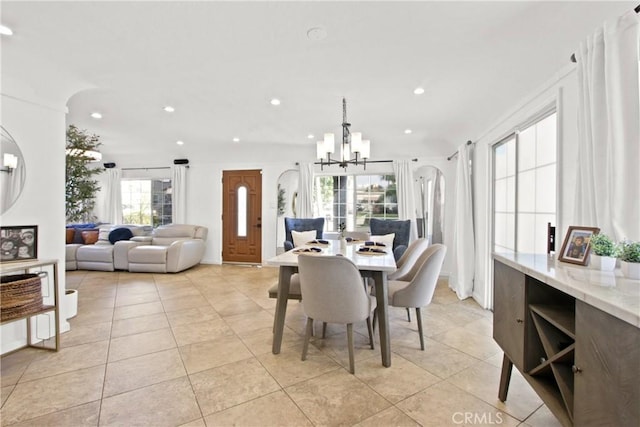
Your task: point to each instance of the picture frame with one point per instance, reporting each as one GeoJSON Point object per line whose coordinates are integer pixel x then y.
{"type": "Point", "coordinates": [18, 243]}
{"type": "Point", "coordinates": [577, 244]}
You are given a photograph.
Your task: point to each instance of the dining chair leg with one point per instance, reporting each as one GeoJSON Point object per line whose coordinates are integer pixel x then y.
{"type": "Point", "coordinates": [324, 330]}
{"type": "Point", "coordinates": [375, 316]}
{"type": "Point", "coordinates": [352, 362]}
{"type": "Point", "coordinates": [408, 315]}
{"type": "Point", "coordinates": [419, 317]}
{"type": "Point", "coordinates": [370, 332]}
{"type": "Point", "coordinates": [307, 336]}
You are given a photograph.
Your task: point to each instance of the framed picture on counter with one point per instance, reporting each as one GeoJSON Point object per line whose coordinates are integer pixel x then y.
{"type": "Point", "coordinates": [19, 243]}
{"type": "Point", "coordinates": [576, 245]}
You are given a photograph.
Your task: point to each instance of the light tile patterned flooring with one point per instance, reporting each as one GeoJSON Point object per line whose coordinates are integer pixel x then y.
{"type": "Point", "coordinates": [194, 349]}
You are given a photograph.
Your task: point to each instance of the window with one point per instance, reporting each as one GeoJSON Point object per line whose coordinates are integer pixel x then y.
{"type": "Point", "coordinates": [146, 201]}
{"type": "Point", "coordinates": [355, 199]}
{"type": "Point", "coordinates": [524, 187]}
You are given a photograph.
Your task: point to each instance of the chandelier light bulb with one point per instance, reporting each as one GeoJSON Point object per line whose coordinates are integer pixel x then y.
{"type": "Point", "coordinates": [330, 142]}
{"type": "Point", "coordinates": [365, 149]}
{"type": "Point", "coordinates": [320, 150]}
{"type": "Point", "coordinates": [356, 142]}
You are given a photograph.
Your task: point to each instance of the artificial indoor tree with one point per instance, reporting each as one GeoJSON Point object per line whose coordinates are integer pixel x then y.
{"type": "Point", "coordinates": [81, 188]}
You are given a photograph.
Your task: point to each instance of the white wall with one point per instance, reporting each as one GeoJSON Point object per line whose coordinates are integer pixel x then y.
{"type": "Point", "coordinates": [204, 190]}
{"type": "Point", "coordinates": [562, 89]}
{"type": "Point", "coordinates": [39, 129]}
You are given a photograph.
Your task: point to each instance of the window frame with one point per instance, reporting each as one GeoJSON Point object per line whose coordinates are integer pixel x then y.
{"type": "Point", "coordinates": [548, 110]}
{"type": "Point", "coordinates": [352, 196]}
{"type": "Point", "coordinates": [151, 181]}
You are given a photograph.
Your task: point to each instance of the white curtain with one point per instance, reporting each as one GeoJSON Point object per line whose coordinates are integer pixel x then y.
{"type": "Point", "coordinates": [113, 197]}
{"type": "Point", "coordinates": [461, 279]}
{"type": "Point", "coordinates": [305, 191]}
{"type": "Point", "coordinates": [608, 173]}
{"type": "Point", "coordinates": [404, 193]}
{"type": "Point", "coordinates": [437, 208]}
{"type": "Point", "coordinates": [179, 194]}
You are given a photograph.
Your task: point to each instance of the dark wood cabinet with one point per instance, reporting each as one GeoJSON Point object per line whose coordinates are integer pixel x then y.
{"type": "Point", "coordinates": [583, 363]}
{"type": "Point", "coordinates": [509, 311]}
{"type": "Point", "coordinates": [607, 369]}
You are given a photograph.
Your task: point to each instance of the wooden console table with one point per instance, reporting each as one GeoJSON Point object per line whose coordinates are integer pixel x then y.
{"type": "Point", "coordinates": [28, 267]}
{"type": "Point", "coordinates": [574, 334]}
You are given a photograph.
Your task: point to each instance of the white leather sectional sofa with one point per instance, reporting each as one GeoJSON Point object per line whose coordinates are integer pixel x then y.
{"type": "Point", "coordinates": [169, 249]}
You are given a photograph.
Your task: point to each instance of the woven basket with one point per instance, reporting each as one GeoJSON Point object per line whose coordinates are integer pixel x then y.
{"type": "Point", "coordinates": [20, 294]}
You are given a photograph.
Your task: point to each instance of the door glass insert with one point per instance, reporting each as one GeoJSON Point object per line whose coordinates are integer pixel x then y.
{"type": "Point", "coordinates": [242, 211]}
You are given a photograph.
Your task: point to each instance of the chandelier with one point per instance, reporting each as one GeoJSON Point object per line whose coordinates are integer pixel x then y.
{"type": "Point", "coordinates": [352, 143]}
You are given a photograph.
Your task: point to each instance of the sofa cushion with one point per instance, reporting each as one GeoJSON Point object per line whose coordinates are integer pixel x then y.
{"type": "Point", "coordinates": [89, 237]}
{"type": "Point", "coordinates": [95, 253]}
{"type": "Point", "coordinates": [120, 234]}
{"type": "Point", "coordinates": [175, 230]}
{"type": "Point", "coordinates": [70, 234]}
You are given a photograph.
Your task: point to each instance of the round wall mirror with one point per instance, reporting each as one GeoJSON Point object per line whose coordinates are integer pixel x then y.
{"type": "Point", "coordinates": [429, 193]}
{"type": "Point", "coordinates": [12, 172]}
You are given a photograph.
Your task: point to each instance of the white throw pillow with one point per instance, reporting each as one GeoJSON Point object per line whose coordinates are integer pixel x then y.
{"type": "Point", "coordinates": [301, 238]}
{"type": "Point", "coordinates": [387, 239]}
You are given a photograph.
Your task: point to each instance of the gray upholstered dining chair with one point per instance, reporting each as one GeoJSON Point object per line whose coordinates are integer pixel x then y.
{"type": "Point", "coordinates": [418, 292]}
{"type": "Point", "coordinates": [407, 264]}
{"type": "Point", "coordinates": [332, 292]}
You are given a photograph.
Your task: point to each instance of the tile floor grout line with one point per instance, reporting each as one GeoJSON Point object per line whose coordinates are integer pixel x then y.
{"type": "Point", "coordinates": [247, 285]}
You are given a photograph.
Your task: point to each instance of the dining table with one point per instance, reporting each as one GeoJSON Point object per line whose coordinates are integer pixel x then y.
{"type": "Point", "coordinates": [376, 264]}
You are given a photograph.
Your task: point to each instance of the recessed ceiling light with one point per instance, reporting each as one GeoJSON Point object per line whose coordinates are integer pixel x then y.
{"type": "Point", "coordinates": [236, 139]}
{"type": "Point", "coordinates": [275, 101]}
{"type": "Point", "coordinates": [316, 33]}
{"type": "Point", "coordinates": [408, 131]}
{"type": "Point", "coordinates": [169, 109]}
{"type": "Point", "coordinates": [96, 115]}
{"type": "Point", "coordinates": [310, 136]}
{"type": "Point", "coordinates": [180, 142]}
{"type": "Point", "coordinates": [418, 91]}
{"type": "Point", "coordinates": [6, 31]}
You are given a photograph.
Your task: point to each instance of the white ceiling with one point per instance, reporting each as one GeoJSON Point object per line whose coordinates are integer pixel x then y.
{"type": "Point", "coordinates": [220, 63]}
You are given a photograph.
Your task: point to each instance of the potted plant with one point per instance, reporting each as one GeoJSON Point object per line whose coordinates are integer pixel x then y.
{"type": "Point", "coordinates": [629, 254]}
{"type": "Point", "coordinates": [81, 188]}
{"type": "Point", "coordinates": [603, 252]}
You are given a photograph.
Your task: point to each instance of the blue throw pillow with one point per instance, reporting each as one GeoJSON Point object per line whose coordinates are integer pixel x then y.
{"type": "Point", "coordinates": [120, 234]}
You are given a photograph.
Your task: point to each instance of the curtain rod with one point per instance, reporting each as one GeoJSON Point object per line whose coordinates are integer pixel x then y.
{"type": "Point", "coordinates": [368, 161]}
{"type": "Point", "coordinates": [573, 55]}
{"type": "Point", "coordinates": [456, 153]}
{"type": "Point", "coordinates": [144, 169]}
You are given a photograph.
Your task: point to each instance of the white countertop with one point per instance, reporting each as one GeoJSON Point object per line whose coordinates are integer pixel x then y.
{"type": "Point", "coordinates": [608, 291]}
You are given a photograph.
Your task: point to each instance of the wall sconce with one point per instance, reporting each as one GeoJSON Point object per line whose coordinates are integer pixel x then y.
{"type": "Point", "coordinates": [10, 162]}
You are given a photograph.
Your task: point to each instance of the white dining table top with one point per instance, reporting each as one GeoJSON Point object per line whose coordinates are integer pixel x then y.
{"type": "Point", "coordinates": [376, 262]}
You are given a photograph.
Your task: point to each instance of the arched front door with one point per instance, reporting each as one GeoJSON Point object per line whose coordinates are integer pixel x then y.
{"type": "Point", "coordinates": [242, 216]}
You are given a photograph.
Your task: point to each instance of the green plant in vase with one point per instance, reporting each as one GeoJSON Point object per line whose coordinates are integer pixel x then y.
{"type": "Point", "coordinates": [603, 252]}
{"type": "Point", "coordinates": [602, 245]}
{"type": "Point", "coordinates": [629, 254]}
